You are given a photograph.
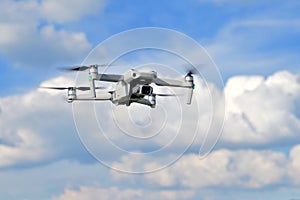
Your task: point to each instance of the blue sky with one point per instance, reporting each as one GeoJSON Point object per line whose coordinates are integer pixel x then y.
{"type": "Point", "coordinates": [229, 23]}
{"type": "Point", "coordinates": [255, 45]}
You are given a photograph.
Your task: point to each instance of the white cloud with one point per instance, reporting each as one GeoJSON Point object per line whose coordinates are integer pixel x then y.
{"type": "Point", "coordinates": [49, 179]}
{"type": "Point", "coordinates": [37, 127]}
{"type": "Point", "coordinates": [294, 165]}
{"type": "Point", "coordinates": [32, 124]}
{"type": "Point", "coordinates": [86, 193]}
{"type": "Point", "coordinates": [47, 45]}
{"type": "Point", "coordinates": [259, 112]}
{"type": "Point", "coordinates": [53, 11]}
{"type": "Point", "coordinates": [27, 40]}
{"type": "Point", "coordinates": [262, 111]}
{"type": "Point", "coordinates": [225, 168]}
{"type": "Point", "coordinates": [64, 11]}
{"type": "Point", "coordinates": [27, 148]}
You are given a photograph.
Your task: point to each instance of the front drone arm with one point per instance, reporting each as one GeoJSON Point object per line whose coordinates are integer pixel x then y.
{"type": "Point", "coordinates": [94, 75]}
{"type": "Point", "coordinates": [187, 83]}
{"type": "Point", "coordinates": [173, 83]}
{"type": "Point", "coordinates": [102, 77]}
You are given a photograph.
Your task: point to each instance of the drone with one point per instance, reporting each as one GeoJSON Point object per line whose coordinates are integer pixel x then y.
{"type": "Point", "coordinates": [131, 87]}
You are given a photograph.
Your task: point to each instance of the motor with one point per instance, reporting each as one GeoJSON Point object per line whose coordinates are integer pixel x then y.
{"type": "Point", "coordinates": [189, 79]}
{"type": "Point", "coordinates": [71, 95]}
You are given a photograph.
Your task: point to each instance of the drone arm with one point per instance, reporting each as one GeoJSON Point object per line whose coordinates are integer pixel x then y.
{"type": "Point", "coordinates": [172, 83]}
{"type": "Point", "coordinates": [189, 96]}
{"type": "Point", "coordinates": [187, 83]}
{"type": "Point", "coordinates": [109, 77]}
{"type": "Point", "coordinates": [99, 97]}
{"type": "Point", "coordinates": [103, 96]}
{"type": "Point", "coordinates": [92, 87]}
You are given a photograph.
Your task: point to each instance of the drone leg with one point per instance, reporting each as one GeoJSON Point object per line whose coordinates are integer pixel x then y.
{"type": "Point", "coordinates": [92, 87]}
{"type": "Point", "coordinates": [189, 96]}
{"type": "Point", "coordinates": [189, 79]}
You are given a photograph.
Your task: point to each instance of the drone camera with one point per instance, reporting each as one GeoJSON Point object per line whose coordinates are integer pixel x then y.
{"type": "Point", "coordinates": [93, 71]}
{"type": "Point", "coordinates": [146, 90]}
{"type": "Point", "coordinates": [189, 78]}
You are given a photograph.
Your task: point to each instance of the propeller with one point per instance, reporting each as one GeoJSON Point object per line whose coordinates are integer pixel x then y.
{"type": "Point", "coordinates": [82, 67]}
{"type": "Point", "coordinates": [190, 69]}
{"type": "Point", "coordinates": [82, 88]}
{"type": "Point", "coordinates": [166, 95]}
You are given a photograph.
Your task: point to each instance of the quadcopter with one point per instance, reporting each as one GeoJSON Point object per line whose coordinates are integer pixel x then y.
{"type": "Point", "coordinates": [131, 87]}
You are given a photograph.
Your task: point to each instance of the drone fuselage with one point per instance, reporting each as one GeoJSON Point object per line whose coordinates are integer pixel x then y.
{"type": "Point", "coordinates": [132, 87]}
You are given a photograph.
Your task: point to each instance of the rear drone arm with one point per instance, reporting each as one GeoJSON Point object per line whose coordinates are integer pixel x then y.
{"type": "Point", "coordinates": [109, 77]}
{"type": "Point", "coordinates": [94, 75]}
{"type": "Point", "coordinates": [99, 97]}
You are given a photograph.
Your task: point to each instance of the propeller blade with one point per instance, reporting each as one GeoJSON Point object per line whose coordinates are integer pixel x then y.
{"type": "Point", "coordinates": [75, 68]}
{"type": "Point", "coordinates": [83, 67]}
{"type": "Point", "coordinates": [82, 88]}
{"type": "Point", "coordinates": [166, 95]}
{"type": "Point", "coordinates": [190, 69]}
{"type": "Point", "coordinates": [55, 88]}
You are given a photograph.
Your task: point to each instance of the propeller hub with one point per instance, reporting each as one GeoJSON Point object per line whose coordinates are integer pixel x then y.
{"type": "Point", "coordinates": [71, 94]}
{"type": "Point", "coordinates": [189, 78]}
{"type": "Point", "coordinates": [93, 69]}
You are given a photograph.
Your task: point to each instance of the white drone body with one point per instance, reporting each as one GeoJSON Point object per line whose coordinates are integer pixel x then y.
{"type": "Point", "coordinates": [132, 87]}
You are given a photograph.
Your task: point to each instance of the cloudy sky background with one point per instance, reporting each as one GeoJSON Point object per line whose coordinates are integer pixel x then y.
{"type": "Point", "coordinates": [256, 46]}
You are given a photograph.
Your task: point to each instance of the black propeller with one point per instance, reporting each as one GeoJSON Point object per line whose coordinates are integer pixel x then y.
{"type": "Point", "coordinates": [167, 95]}
{"type": "Point", "coordinates": [190, 69]}
{"type": "Point", "coordinates": [82, 88]}
{"type": "Point", "coordinates": [82, 67]}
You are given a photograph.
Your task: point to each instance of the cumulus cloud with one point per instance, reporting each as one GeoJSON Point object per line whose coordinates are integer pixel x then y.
{"type": "Point", "coordinates": [116, 193]}
{"type": "Point", "coordinates": [28, 147]}
{"type": "Point", "coordinates": [262, 111]}
{"type": "Point", "coordinates": [30, 37]}
{"type": "Point", "coordinates": [47, 46]}
{"type": "Point", "coordinates": [53, 11]}
{"type": "Point", "coordinates": [259, 112]}
{"type": "Point", "coordinates": [64, 11]}
{"type": "Point", "coordinates": [294, 164]}
{"type": "Point", "coordinates": [36, 127]}
{"type": "Point", "coordinates": [225, 168]}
